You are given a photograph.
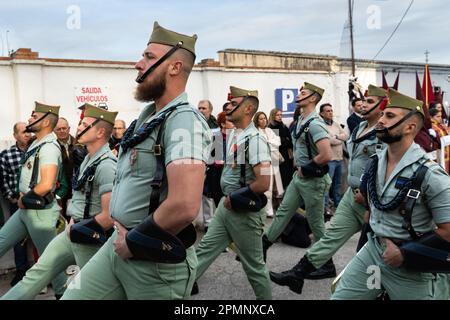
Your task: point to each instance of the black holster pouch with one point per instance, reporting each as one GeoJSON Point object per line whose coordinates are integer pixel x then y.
{"type": "Point", "coordinates": [89, 231]}
{"type": "Point", "coordinates": [430, 253]}
{"type": "Point", "coordinates": [31, 200]}
{"type": "Point", "coordinates": [244, 199]}
{"type": "Point", "coordinates": [147, 241]}
{"type": "Point", "coordinates": [312, 169]}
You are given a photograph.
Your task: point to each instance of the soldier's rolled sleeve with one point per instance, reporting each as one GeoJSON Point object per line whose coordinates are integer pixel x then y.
{"type": "Point", "coordinates": [318, 131]}
{"type": "Point", "coordinates": [438, 194]}
{"type": "Point", "coordinates": [186, 136]}
{"type": "Point", "coordinates": [259, 150]}
{"type": "Point", "coordinates": [50, 154]}
{"type": "Point", "coordinates": [105, 175]}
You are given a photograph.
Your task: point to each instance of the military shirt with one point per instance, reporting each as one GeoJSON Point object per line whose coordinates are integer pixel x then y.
{"type": "Point", "coordinates": [186, 136]}
{"type": "Point", "coordinates": [317, 131]}
{"type": "Point", "coordinates": [360, 153]}
{"type": "Point", "coordinates": [50, 154]}
{"type": "Point", "coordinates": [103, 183]}
{"type": "Point", "coordinates": [258, 152]}
{"type": "Point", "coordinates": [432, 206]}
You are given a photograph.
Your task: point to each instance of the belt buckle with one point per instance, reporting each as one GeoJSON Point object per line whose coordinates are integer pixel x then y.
{"type": "Point", "coordinates": [413, 193]}
{"type": "Point", "coordinates": [157, 149]}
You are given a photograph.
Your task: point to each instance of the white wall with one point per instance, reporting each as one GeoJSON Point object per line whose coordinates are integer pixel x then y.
{"type": "Point", "coordinates": [24, 81]}
{"type": "Point", "coordinates": [214, 85]}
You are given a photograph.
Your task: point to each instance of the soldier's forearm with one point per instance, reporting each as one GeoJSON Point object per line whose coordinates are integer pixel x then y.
{"type": "Point", "coordinates": [173, 215]}
{"type": "Point", "coordinates": [43, 188]}
{"type": "Point", "coordinates": [105, 220]}
{"type": "Point", "coordinates": [443, 230]}
{"type": "Point", "coordinates": [260, 185]}
{"type": "Point", "coordinates": [323, 158]}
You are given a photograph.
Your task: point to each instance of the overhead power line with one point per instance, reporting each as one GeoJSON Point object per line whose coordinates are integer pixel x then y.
{"type": "Point", "coordinates": [393, 32]}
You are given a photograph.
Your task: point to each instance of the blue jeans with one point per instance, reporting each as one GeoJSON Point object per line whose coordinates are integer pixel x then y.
{"type": "Point", "coordinates": [20, 249]}
{"type": "Point", "coordinates": [335, 172]}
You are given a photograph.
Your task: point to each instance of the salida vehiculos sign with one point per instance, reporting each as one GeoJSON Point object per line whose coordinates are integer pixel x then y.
{"type": "Point", "coordinates": [91, 94]}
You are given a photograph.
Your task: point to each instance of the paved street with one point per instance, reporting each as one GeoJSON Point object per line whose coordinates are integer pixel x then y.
{"type": "Point", "coordinates": [226, 280]}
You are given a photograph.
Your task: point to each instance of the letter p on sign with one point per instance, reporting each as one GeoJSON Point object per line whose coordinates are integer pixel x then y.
{"type": "Point", "coordinates": [285, 99]}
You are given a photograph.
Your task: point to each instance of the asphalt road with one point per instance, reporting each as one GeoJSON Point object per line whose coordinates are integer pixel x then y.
{"type": "Point", "coordinates": [225, 279]}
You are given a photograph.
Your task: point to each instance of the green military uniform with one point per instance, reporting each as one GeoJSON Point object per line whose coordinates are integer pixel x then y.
{"type": "Point", "coordinates": [40, 225]}
{"type": "Point", "coordinates": [61, 252]}
{"type": "Point", "coordinates": [400, 283]}
{"type": "Point", "coordinates": [243, 228]}
{"type": "Point", "coordinates": [185, 136]}
{"type": "Point", "coordinates": [305, 191]}
{"type": "Point", "coordinates": [349, 216]}
{"type": "Point", "coordinates": [106, 275]}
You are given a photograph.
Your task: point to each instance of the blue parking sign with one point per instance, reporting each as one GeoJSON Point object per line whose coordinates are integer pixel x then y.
{"type": "Point", "coordinates": [285, 101]}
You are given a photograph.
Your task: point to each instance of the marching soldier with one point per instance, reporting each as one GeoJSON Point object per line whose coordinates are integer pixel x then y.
{"type": "Point", "coordinates": [409, 197]}
{"type": "Point", "coordinates": [349, 216]}
{"type": "Point", "coordinates": [240, 215]}
{"type": "Point", "coordinates": [158, 185]}
{"type": "Point", "coordinates": [90, 221]}
{"type": "Point", "coordinates": [38, 211]}
{"type": "Point", "coordinates": [311, 181]}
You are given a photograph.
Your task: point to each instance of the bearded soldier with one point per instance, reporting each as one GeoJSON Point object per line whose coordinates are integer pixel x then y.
{"type": "Point", "coordinates": [409, 198]}
{"type": "Point", "coordinates": [158, 186]}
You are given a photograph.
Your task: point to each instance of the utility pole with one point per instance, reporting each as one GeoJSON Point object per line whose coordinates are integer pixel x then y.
{"type": "Point", "coordinates": [350, 18]}
{"type": "Point", "coordinates": [7, 42]}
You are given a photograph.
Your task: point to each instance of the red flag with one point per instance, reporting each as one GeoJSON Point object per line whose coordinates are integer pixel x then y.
{"type": "Point", "coordinates": [385, 85]}
{"type": "Point", "coordinates": [396, 81]}
{"type": "Point", "coordinates": [427, 87]}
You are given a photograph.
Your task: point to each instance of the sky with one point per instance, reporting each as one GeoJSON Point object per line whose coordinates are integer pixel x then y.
{"type": "Point", "coordinates": [119, 30]}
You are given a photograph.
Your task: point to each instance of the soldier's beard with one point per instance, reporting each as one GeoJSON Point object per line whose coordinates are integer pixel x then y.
{"type": "Point", "coordinates": [384, 135]}
{"type": "Point", "coordinates": [32, 128]}
{"type": "Point", "coordinates": [151, 89]}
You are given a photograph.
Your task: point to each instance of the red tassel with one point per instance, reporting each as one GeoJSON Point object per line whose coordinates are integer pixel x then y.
{"type": "Point", "coordinates": [384, 103]}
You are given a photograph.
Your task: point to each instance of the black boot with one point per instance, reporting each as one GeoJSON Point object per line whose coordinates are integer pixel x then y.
{"type": "Point", "coordinates": [328, 270]}
{"type": "Point", "coordinates": [266, 244]}
{"type": "Point", "coordinates": [293, 278]}
{"type": "Point", "coordinates": [19, 275]}
{"type": "Point", "coordinates": [194, 290]}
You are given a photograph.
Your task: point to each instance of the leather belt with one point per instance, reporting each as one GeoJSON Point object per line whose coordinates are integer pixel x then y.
{"type": "Point", "coordinates": [397, 242]}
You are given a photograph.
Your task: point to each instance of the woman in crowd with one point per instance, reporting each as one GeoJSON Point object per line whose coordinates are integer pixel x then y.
{"type": "Point", "coordinates": [286, 147]}
{"type": "Point", "coordinates": [260, 121]}
{"type": "Point", "coordinates": [441, 131]}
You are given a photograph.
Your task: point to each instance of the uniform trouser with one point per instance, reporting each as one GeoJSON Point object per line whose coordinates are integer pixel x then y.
{"type": "Point", "coordinates": [59, 254]}
{"type": "Point", "coordinates": [366, 275]}
{"type": "Point", "coordinates": [108, 277]}
{"type": "Point", "coordinates": [245, 230]}
{"type": "Point", "coordinates": [20, 249]}
{"type": "Point", "coordinates": [40, 225]}
{"type": "Point", "coordinates": [302, 191]}
{"type": "Point", "coordinates": [347, 220]}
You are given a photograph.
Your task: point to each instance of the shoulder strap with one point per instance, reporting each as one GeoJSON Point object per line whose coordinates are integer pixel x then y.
{"type": "Point", "coordinates": [160, 172]}
{"type": "Point", "coordinates": [373, 162]}
{"type": "Point", "coordinates": [308, 139]}
{"type": "Point", "coordinates": [35, 173]}
{"type": "Point", "coordinates": [407, 206]}
{"type": "Point", "coordinates": [90, 184]}
{"type": "Point", "coordinates": [303, 128]}
{"type": "Point", "coordinates": [242, 179]}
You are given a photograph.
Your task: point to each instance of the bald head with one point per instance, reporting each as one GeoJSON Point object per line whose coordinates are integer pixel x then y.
{"type": "Point", "coordinates": [62, 130]}
{"type": "Point", "coordinates": [119, 129]}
